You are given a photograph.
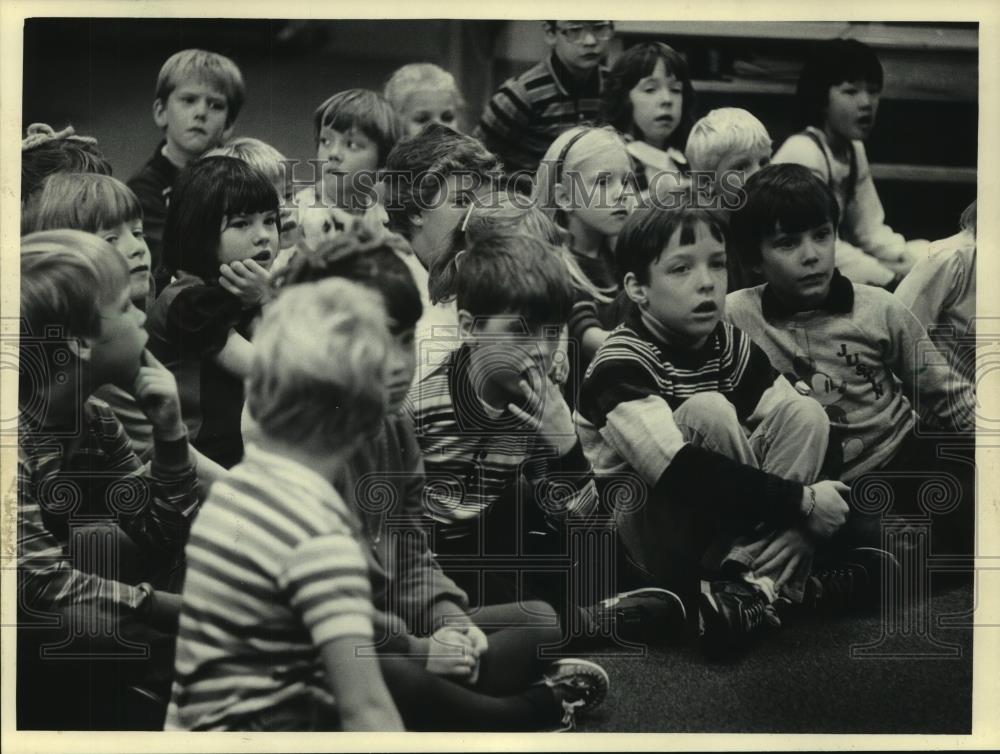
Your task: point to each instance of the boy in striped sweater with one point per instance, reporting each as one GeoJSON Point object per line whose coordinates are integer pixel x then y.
{"type": "Point", "coordinates": [728, 450]}
{"type": "Point", "coordinates": [529, 111]}
{"type": "Point", "coordinates": [502, 457]}
{"type": "Point", "coordinates": [99, 537]}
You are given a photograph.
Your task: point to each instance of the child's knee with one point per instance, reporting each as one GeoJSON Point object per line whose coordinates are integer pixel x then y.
{"type": "Point", "coordinates": [803, 411]}
{"type": "Point", "coordinates": [537, 613]}
{"type": "Point", "coordinates": [707, 414]}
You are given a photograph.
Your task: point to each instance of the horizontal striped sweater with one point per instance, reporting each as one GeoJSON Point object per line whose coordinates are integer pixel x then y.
{"type": "Point", "coordinates": [101, 480]}
{"type": "Point", "coordinates": [625, 420]}
{"type": "Point", "coordinates": [529, 111]}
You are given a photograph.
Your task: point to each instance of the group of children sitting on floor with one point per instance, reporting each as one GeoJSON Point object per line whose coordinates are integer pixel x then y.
{"type": "Point", "coordinates": [386, 449]}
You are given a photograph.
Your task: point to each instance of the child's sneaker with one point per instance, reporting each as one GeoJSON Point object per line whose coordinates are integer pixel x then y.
{"type": "Point", "coordinates": [579, 685]}
{"type": "Point", "coordinates": [649, 614]}
{"type": "Point", "coordinates": [855, 583]}
{"type": "Point", "coordinates": [732, 613]}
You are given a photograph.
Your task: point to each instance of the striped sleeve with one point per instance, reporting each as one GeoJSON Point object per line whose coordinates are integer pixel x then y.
{"type": "Point", "coordinates": [506, 120]}
{"type": "Point", "coordinates": [48, 580]}
{"type": "Point", "coordinates": [623, 370]}
{"type": "Point", "coordinates": [326, 579]}
{"type": "Point", "coordinates": [170, 486]}
{"type": "Point", "coordinates": [582, 318]}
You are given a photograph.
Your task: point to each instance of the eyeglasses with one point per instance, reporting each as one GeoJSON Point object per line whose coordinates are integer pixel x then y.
{"type": "Point", "coordinates": [602, 31]}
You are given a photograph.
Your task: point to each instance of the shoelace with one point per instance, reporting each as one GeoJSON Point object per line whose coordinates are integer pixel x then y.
{"type": "Point", "coordinates": [753, 616]}
{"type": "Point", "coordinates": [569, 713]}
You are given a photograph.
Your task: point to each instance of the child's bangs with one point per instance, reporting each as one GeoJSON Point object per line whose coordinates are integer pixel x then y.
{"type": "Point", "coordinates": [250, 194]}
{"type": "Point", "coordinates": [537, 307]}
{"type": "Point", "coordinates": [673, 64]}
{"type": "Point", "coordinates": [112, 203]}
{"type": "Point", "coordinates": [645, 64]}
{"type": "Point", "coordinates": [86, 202]}
{"type": "Point", "coordinates": [214, 77]}
{"type": "Point", "coordinates": [799, 212]}
{"type": "Point", "coordinates": [860, 67]}
{"type": "Point", "coordinates": [686, 228]}
{"type": "Point", "coordinates": [355, 114]}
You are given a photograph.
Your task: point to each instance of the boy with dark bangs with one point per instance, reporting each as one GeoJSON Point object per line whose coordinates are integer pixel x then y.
{"type": "Point", "coordinates": [731, 454]}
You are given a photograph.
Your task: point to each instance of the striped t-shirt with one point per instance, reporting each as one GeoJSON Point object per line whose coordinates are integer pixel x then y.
{"type": "Point", "coordinates": [274, 571]}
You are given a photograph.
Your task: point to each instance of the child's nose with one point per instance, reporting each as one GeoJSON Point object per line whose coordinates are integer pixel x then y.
{"type": "Point", "coordinates": [617, 192]}
{"type": "Point", "coordinates": [706, 281]}
{"type": "Point", "coordinates": [335, 151]}
{"type": "Point", "coordinates": [810, 252]}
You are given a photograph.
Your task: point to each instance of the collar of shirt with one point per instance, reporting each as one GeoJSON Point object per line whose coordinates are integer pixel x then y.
{"type": "Point", "coordinates": [840, 299]}
{"type": "Point", "coordinates": [652, 331]}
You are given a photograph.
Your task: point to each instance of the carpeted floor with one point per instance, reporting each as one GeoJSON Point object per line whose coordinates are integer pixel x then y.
{"type": "Point", "coordinates": [804, 679]}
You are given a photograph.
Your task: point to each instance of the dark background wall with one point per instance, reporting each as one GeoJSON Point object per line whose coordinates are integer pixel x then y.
{"type": "Point", "coordinates": [99, 75]}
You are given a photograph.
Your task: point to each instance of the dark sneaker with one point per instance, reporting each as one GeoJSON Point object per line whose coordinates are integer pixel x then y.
{"type": "Point", "coordinates": [732, 614]}
{"type": "Point", "coordinates": [648, 615]}
{"type": "Point", "coordinates": [579, 685]}
{"type": "Point", "coordinates": [855, 583]}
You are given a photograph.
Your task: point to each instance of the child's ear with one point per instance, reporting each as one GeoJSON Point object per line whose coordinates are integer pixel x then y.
{"type": "Point", "coordinates": [160, 113]}
{"type": "Point", "coordinates": [82, 348]}
{"type": "Point", "coordinates": [227, 132]}
{"type": "Point", "coordinates": [561, 197]}
{"type": "Point", "coordinates": [635, 290]}
{"type": "Point", "coordinates": [465, 324]}
{"type": "Point", "coordinates": [416, 219]}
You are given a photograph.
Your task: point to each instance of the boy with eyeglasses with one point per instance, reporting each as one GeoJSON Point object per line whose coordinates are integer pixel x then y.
{"type": "Point", "coordinates": [529, 111]}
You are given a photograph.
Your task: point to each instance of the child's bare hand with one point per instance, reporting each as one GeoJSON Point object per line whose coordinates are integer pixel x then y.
{"type": "Point", "coordinates": [451, 653]}
{"type": "Point", "coordinates": [155, 389]}
{"type": "Point", "coordinates": [476, 638]}
{"type": "Point", "coordinates": [784, 556]}
{"type": "Point", "coordinates": [246, 280]}
{"type": "Point", "coordinates": [830, 511]}
{"type": "Point", "coordinates": [546, 413]}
